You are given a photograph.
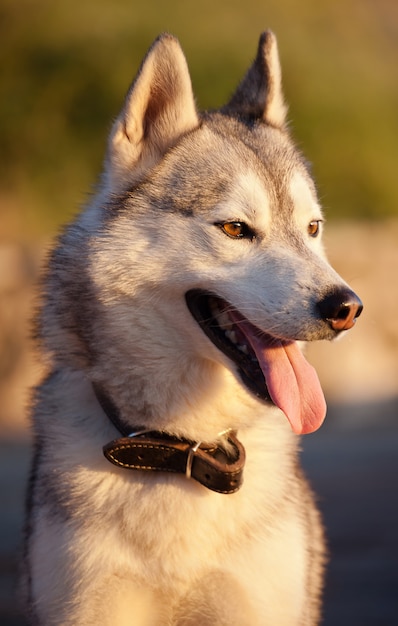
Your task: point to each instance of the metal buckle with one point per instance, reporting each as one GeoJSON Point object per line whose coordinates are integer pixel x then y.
{"type": "Point", "coordinates": [191, 454]}
{"type": "Point", "coordinates": [194, 448]}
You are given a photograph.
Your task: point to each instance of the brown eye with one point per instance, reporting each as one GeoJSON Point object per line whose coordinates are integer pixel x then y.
{"type": "Point", "coordinates": [233, 229]}
{"type": "Point", "coordinates": [236, 230]}
{"type": "Point", "coordinates": [314, 228]}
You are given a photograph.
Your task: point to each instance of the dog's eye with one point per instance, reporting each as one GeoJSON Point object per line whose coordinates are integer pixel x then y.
{"type": "Point", "coordinates": [314, 228]}
{"type": "Point", "coordinates": [237, 230]}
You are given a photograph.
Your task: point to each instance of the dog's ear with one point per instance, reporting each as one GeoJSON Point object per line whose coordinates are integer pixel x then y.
{"type": "Point", "coordinates": [259, 95]}
{"type": "Point", "coordinates": [158, 110]}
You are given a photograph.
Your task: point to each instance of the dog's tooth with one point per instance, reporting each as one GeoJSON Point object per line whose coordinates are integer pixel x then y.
{"type": "Point", "coordinates": [223, 321]}
{"type": "Point", "coordinates": [231, 335]}
{"type": "Point", "coordinates": [222, 318]}
{"type": "Point", "coordinates": [214, 309]}
{"type": "Point", "coordinates": [243, 348]}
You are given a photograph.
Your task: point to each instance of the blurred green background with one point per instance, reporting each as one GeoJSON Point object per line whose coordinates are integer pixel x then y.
{"type": "Point", "coordinates": [66, 65]}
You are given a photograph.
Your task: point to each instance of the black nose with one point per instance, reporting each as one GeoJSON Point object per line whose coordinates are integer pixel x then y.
{"type": "Point", "coordinates": [340, 308]}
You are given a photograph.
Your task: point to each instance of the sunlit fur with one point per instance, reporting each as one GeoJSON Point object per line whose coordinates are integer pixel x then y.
{"type": "Point", "coordinates": [114, 547]}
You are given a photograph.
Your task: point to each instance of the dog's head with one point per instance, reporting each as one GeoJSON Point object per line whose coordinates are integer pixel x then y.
{"type": "Point", "coordinates": [206, 237]}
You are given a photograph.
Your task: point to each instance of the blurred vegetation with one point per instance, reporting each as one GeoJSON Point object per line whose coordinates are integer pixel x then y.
{"type": "Point", "coordinates": [66, 65]}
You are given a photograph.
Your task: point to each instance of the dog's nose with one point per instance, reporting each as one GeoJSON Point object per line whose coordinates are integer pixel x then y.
{"type": "Point", "coordinates": [340, 308]}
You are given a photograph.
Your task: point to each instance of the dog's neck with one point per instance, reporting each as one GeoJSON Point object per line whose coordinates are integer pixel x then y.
{"type": "Point", "coordinates": [112, 412]}
{"type": "Point", "coordinates": [217, 466]}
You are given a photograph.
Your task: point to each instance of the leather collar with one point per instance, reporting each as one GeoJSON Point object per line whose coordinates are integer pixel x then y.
{"type": "Point", "coordinates": [217, 467]}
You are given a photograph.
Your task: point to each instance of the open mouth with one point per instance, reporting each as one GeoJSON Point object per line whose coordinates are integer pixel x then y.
{"type": "Point", "coordinates": [271, 368]}
{"type": "Point", "coordinates": [218, 320]}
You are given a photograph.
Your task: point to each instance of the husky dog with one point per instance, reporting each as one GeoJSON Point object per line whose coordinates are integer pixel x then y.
{"type": "Point", "coordinates": [165, 487]}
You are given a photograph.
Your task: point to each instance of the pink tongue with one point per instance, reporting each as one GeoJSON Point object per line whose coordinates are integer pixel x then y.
{"type": "Point", "coordinates": [292, 382]}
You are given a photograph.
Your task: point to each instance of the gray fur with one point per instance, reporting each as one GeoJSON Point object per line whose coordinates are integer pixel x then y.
{"type": "Point", "coordinates": [110, 546]}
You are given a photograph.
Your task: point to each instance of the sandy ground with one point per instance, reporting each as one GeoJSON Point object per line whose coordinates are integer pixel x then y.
{"type": "Point", "coordinates": [354, 473]}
